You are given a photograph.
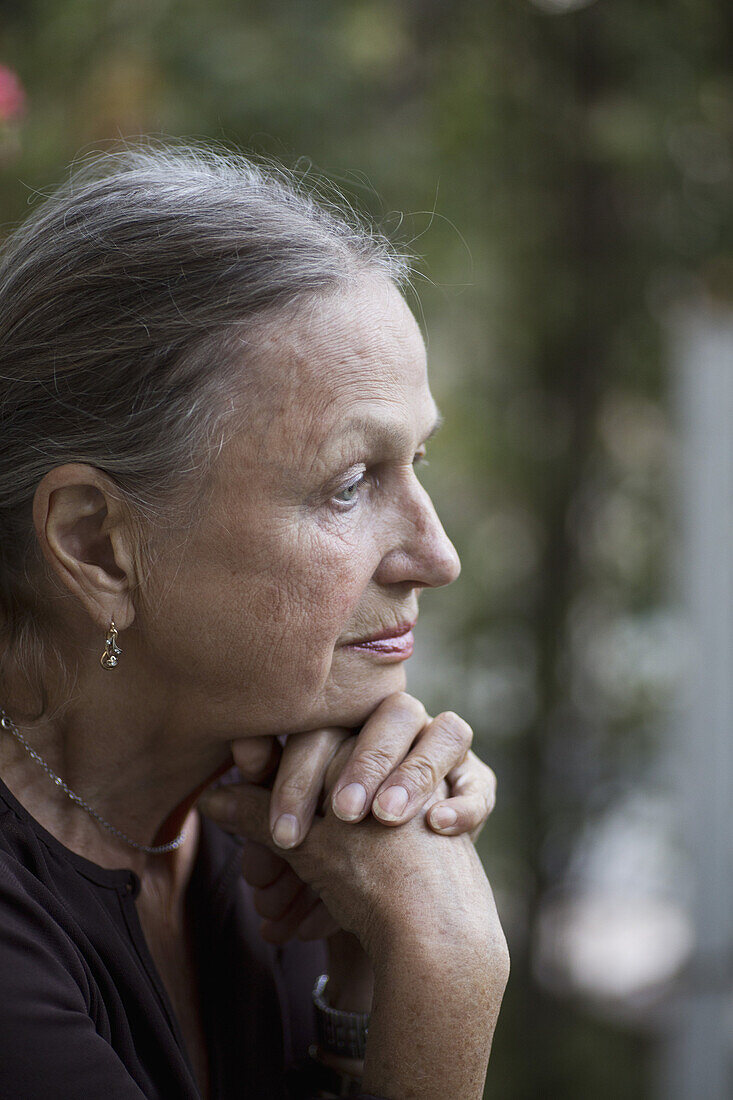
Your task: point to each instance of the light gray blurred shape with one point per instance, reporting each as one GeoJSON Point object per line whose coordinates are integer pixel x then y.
{"type": "Point", "coordinates": [696, 1060]}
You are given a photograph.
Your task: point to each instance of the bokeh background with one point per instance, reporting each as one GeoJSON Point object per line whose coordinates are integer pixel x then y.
{"type": "Point", "coordinates": [564, 172]}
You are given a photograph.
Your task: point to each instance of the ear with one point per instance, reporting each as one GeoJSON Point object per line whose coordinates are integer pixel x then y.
{"type": "Point", "coordinates": [85, 534]}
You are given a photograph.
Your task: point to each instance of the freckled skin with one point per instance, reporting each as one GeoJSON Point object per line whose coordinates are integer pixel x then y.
{"type": "Point", "coordinates": [276, 573]}
{"type": "Point", "coordinates": [316, 533]}
{"type": "Point", "coordinates": [235, 629]}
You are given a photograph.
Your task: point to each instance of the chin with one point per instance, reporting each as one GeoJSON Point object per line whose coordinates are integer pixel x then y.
{"type": "Point", "coordinates": [349, 704]}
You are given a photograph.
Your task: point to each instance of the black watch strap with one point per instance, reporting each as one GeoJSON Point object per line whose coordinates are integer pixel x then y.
{"type": "Point", "coordinates": [343, 1033]}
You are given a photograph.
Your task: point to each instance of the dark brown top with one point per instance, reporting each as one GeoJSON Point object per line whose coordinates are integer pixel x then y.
{"type": "Point", "coordinates": [83, 1012]}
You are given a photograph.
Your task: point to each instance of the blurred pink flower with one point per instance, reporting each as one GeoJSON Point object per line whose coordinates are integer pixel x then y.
{"type": "Point", "coordinates": [12, 95]}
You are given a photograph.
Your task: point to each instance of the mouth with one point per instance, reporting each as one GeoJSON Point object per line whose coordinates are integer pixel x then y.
{"type": "Point", "coordinates": [396, 641]}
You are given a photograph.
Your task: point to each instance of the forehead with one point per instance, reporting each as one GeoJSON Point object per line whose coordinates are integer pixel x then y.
{"type": "Point", "coordinates": [340, 361]}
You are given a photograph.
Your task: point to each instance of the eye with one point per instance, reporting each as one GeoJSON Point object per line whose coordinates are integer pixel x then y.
{"type": "Point", "coordinates": [350, 492]}
{"type": "Point", "coordinates": [348, 495]}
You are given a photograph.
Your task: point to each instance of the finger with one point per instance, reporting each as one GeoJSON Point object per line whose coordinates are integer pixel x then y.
{"type": "Point", "coordinates": [279, 931]}
{"type": "Point", "coordinates": [466, 814]}
{"type": "Point", "coordinates": [473, 776]}
{"type": "Point", "coordinates": [441, 746]}
{"type": "Point", "coordinates": [241, 808]}
{"type": "Point", "coordinates": [384, 740]}
{"type": "Point", "coordinates": [260, 867]}
{"type": "Point", "coordinates": [318, 925]}
{"type": "Point", "coordinates": [276, 900]}
{"type": "Point", "coordinates": [256, 757]}
{"type": "Point", "coordinates": [473, 796]}
{"type": "Point", "coordinates": [299, 782]}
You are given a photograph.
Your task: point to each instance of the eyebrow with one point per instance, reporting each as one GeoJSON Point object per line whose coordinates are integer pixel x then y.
{"type": "Point", "coordinates": [385, 430]}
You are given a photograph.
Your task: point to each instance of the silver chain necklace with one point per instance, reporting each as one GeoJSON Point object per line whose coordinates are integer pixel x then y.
{"type": "Point", "coordinates": [153, 850]}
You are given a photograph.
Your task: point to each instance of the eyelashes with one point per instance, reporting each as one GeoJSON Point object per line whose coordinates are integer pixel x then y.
{"type": "Point", "coordinates": [348, 495]}
{"type": "Point", "coordinates": [350, 492]}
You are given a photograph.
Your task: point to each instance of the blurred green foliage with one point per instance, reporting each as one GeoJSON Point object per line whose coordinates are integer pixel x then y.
{"type": "Point", "coordinates": [565, 178]}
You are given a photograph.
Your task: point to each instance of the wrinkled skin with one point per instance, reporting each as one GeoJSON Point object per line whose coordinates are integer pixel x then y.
{"type": "Point", "coordinates": [316, 533]}
{"type": "Point", "coordinates": [281, 572]}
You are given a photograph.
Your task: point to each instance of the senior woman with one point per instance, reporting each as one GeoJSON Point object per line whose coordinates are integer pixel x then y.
{"type": "Point", "coordinates": [213, 538]}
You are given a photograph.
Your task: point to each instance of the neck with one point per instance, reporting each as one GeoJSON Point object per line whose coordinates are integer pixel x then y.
{"type": "Point", "coordinates": [140, 775]}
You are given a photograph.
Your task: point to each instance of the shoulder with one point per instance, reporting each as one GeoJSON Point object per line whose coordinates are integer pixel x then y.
{"type": "Point", "coordinates": [39, 959]}
{"type": "Point", "coordinates": [44, 903]}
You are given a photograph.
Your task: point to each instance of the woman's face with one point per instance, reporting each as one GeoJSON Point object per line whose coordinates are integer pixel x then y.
{"type": "Point", "coordinates": [318, 533]}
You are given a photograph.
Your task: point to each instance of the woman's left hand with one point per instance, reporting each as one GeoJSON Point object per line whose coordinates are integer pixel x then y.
{"type": "Point", "coordinates": [400, 757]}
{"type": "Point", "coordinates": [399, 746]}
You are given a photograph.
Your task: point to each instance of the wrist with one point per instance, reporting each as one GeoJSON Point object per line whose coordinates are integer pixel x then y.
{"type": "Point", "coordinates": [430, 1002]}
{"type": "Point", "coordinates": [429, 943]}
{"type": "Point", "coordinates": [350, 974]}
{"type": "Point", "coordinates": [425, 958]}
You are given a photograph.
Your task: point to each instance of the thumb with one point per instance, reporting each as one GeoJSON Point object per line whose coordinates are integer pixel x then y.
{"type": "Point", "coordinates": [241, 808]}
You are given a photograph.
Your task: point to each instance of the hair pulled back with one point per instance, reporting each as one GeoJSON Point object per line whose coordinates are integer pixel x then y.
{"type": "Point", "coordinates": [120, 297]}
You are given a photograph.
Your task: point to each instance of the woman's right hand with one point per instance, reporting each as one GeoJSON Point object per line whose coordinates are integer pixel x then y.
{"type": "Point", "coordinates": [423, 910]}
{"type": "Point", "coordinates": [374, 882]}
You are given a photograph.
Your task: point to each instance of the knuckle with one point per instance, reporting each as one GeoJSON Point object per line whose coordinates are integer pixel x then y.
{"type": "Point", "coordinates": [454, 729]}
{"type": "Point", "coordinates": [488, 786]}
{"type": "Point", "coordinates": [326, 743]}
{"type": "Point", "coordinates": [329, 735]}
{"type": "Point", "coordinates": [480, 765]}
{"type": "Point", "coordinates": [405, 706]}
{"type": "Point", "coordinates": [293, 790]}
{"type": "Point", "coordinates": [504, 962]}
{"type": "Point", "coordinates": [372, 762]}
{"type": "Point", "coordinates": [420, 772]}
{"type": "Point", "coordinates": [253, 756]}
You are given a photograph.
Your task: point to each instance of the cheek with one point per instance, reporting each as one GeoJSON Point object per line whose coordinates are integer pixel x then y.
{"type": "Point", "coordinates": [317, 601]}
{"type": "Point", "coordinates": [252, 622]}
{"type": "Point", "coordinates": [296, 597]}
{"type": "Point", "coordinates": [319, 590]}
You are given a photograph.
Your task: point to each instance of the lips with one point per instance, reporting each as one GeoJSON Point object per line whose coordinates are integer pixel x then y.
{"type": "Point", "coordinates": [396, 640]}
{"type": "Point", "coordinates": [398, 631]}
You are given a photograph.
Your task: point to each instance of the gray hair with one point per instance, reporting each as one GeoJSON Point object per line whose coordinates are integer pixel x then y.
{"type": "Point", "coordinates": [121, 299]}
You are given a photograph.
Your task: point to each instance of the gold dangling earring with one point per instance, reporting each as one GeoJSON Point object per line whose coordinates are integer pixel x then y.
{"type": "Point", "coordinates": [109, 658]}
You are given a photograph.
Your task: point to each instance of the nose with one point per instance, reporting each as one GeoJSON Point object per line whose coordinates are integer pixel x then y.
{"type": "Point", "coordinates": [422, 555]}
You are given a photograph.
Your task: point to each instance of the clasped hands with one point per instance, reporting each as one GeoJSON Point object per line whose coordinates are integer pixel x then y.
{"type": "Point", "coordinates": [400, 763]}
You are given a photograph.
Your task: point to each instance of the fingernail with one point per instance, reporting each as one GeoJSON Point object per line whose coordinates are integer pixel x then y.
{"type": "Point", "coordinates": [443, 817]}
{"type": "Point", "coordinates": [286, 831]}
{"type": "Point", "coordinates": [350, 802]}
{"type": "Point", "coordinates": [391, 803]}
